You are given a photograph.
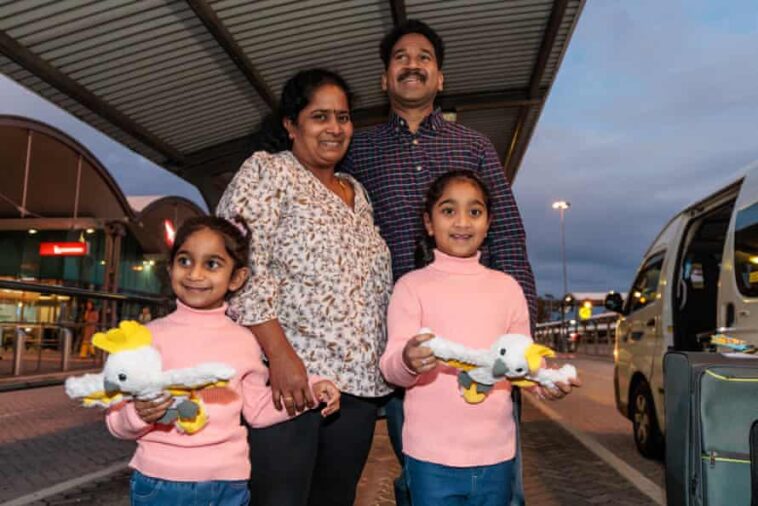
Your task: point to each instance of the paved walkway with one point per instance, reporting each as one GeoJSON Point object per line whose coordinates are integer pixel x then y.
{"type": "Point", "coordinates": [47, 439]}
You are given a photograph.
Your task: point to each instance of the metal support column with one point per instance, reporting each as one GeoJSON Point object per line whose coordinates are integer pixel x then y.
{"type": "Point", "coordinates": [19, 343]}
{"type": "Point", "coordinates": [114, 231]}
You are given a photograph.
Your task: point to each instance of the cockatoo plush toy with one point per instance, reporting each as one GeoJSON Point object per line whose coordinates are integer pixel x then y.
{"type": "Point", "coordinates": [512, 357]}
{"type": "Point", "coordinates": [133, 370]}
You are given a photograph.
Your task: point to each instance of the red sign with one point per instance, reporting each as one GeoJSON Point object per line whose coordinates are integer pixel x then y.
{"type": "Point", "coordinates": [63, 249]}
{"type": "Point", "coordinates": [169, 232]}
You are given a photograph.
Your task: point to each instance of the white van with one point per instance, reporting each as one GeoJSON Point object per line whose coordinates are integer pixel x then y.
{"type": "Point", "coordinates": [699, 275]}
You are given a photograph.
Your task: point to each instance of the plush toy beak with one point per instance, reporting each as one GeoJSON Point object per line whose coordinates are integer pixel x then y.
{"type": "Point", "coordinates": [534, 355]}
{"type": "Point", "coordinates": [498, 368]}
{"type": "Point", "coordinates": [110, 387]}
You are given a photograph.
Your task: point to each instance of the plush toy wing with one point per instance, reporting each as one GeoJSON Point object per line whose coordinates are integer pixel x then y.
{"type": "Point", "coordinates": [475, 378]}
{"type": "Point", "coordinates": [203, 375]}
{"type": "Point", "coordinates": [90, 390]}
{"type": "Point", "coordinates": [549, 377]}
{"type": "Point", "coordinates": [457, 355]}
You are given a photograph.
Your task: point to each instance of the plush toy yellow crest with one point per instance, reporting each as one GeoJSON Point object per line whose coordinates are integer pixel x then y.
{"type": "Point", "coordinates": [513, 357]}
{"type": "Point", "coordinates": [129, 335]}
{"type": "Point", "coordinates": [133, 370]}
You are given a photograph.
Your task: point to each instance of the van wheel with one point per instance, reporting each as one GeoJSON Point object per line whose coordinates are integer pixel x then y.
{"type": "Point", "coordinates": [647, 435]}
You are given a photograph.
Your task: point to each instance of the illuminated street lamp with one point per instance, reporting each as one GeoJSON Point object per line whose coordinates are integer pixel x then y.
{"type": "Point", "coordinates": [562, 206]}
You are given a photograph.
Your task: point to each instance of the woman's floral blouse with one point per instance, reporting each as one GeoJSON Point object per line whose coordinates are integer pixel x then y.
{"type": "Point", "coordinates": [319, 267]}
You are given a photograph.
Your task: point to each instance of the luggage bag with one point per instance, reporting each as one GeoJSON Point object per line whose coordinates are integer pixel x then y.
{"type": "Point", "coordinates": [711, 403]}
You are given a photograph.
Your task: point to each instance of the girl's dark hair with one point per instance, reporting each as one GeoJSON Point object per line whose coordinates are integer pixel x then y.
{"type": "Point", "coordinates": [424, 254]}
{"type": "Point", "coordinates": [297, 93]}
{"type": "Point", "coordinates": [236, 236]}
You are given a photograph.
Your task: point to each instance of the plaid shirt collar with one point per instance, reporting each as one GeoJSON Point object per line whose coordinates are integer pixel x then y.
{"type": "Point", "coordinates": [431, 125]}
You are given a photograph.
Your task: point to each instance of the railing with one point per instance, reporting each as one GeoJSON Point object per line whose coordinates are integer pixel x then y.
{"type": "Point", "coordinates": [595, 336]}
{"type": "Point", "coordinates": [36, 347]}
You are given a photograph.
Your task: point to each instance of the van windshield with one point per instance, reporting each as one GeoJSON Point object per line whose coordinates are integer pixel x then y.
{"type": "Point", "coordinates": [746, 251]}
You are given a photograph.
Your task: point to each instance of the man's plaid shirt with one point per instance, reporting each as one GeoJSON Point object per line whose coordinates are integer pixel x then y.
{"type": "Point", "coordinates": [397, 167]}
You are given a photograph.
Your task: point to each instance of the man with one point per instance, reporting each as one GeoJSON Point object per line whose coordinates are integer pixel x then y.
{"type": "Point", "coordinates": [398, 160]}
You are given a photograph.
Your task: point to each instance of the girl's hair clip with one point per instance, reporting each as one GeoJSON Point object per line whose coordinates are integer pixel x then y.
{"type": "Point", "coordinates": [240, 225]}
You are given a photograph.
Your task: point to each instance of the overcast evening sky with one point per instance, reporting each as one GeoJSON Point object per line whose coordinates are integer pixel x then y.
{"type": "Point", "coordinates": [655, 106]}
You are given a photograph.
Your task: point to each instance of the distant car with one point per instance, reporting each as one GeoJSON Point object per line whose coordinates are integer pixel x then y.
{"type": "Point", "coordinates": [574, 339]}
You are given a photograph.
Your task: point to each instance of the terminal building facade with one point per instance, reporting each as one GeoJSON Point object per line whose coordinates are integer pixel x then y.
{"type": "Point", "coordinates": [69, 234]}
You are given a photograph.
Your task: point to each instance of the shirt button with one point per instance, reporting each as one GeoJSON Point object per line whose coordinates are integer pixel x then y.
{"type": "Point", "coordinates": [415, 142]}
{"type": "Point", "coordinates": [419, 168]}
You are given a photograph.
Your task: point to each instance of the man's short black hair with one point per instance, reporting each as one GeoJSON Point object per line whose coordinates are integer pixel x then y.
{"type": "Point", "coordinates": [411, 26]}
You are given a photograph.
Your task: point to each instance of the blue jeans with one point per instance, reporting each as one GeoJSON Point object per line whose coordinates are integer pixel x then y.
{"type": "Point", "coordinates": [393, 409]}
{"type": "Point", "coordinates": [156, 492]}
{"type": "Point", "coordinates": [438, 485]}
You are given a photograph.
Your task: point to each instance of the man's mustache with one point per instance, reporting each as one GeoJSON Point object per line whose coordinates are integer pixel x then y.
{"type": "Point", "coordinates": [412, 72]}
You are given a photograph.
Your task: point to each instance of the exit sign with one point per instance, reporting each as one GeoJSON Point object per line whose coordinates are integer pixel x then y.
{"type": "Point", "coordinates": [63, 249]}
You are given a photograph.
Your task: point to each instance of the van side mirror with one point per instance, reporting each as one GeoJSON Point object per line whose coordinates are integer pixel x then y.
{"type": "Point", "coordinates": [614, 302]}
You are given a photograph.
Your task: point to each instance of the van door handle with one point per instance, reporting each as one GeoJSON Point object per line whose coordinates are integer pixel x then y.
{"type": "Point", "coordinates": [729, 315]}
{"type": "Point", "coordinates": [651, 322]}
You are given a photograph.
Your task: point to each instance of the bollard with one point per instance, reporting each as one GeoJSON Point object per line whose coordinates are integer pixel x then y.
{"type": "Point", "coordinates": [18, 352]}
{"type": "Point", "coordinates": [596, 344]}
{"type": "Point", "coordinates": [65, 344]}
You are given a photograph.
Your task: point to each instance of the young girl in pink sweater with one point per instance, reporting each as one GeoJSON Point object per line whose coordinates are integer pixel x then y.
{"type": "Point", "coordinates": [208, 261]}
{"type": "Point", "coordinates": [455, 452]}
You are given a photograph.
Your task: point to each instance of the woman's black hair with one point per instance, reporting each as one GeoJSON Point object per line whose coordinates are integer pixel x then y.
{"type": "Point", "coordinates": [236, 236]}
{"type": "Point", "coordinates": [424, 253]}
{"type": "Point", "coordinates": [411, 26]}
{"type": "Point", "coordinates": [297, 93]}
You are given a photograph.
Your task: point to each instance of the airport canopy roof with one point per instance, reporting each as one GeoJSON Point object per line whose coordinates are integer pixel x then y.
{"type": "Point", "coordinates": [185, 82]}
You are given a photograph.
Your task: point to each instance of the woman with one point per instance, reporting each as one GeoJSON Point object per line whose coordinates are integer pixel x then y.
{"type": "Point", "coordinates": [90, 319]}
{"type": "Point", "coordinates": [317, 296]}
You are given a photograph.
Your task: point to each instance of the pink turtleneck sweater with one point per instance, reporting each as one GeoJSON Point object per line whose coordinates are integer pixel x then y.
{"type": "Point", "coordinates": [188, 337]}
{"type": "Point", "coordinates": [461, 300]}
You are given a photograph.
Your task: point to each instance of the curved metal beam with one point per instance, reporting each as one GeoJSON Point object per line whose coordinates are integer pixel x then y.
{"type": "Point", "coordinates": [54, 77]}
{"type": "Point", "coordinates": [538, 71]}
{"type": "Point", "coordinates": [398, 12]}
{"type": "Point", "coordinates": [216, 27]}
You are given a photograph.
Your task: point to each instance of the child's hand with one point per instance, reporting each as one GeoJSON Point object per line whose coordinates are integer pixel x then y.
{"type": "Point", "coordinates": [325, 391]}
{"type": "Point", "coordinates": [559, 391]}
{"type": "Point", "coordinates": [417, 358]}
{"type": "Point", "coordinates": [152, 411]}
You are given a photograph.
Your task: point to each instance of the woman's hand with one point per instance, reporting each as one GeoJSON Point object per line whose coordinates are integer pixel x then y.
{"type": "Point", "coordinates": [289, 382]}
{"type": "Point", "coordinates": [328, 393]}
{"type": "Point", "coordinates": [287, 374]}
{"type": "Point", "coordinates": [152, 411]}
{"type": "Point", "coordinates": [417, 358]}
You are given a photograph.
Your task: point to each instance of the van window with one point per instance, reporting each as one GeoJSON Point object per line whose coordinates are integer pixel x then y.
{"type": "Point", "coordinates": [746, 251]}
{"type": "Point", "coordinates": [645, 288]}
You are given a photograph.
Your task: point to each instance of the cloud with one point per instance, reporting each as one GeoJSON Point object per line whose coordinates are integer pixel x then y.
{"type": "Point", "coordinates": [653, 109]}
